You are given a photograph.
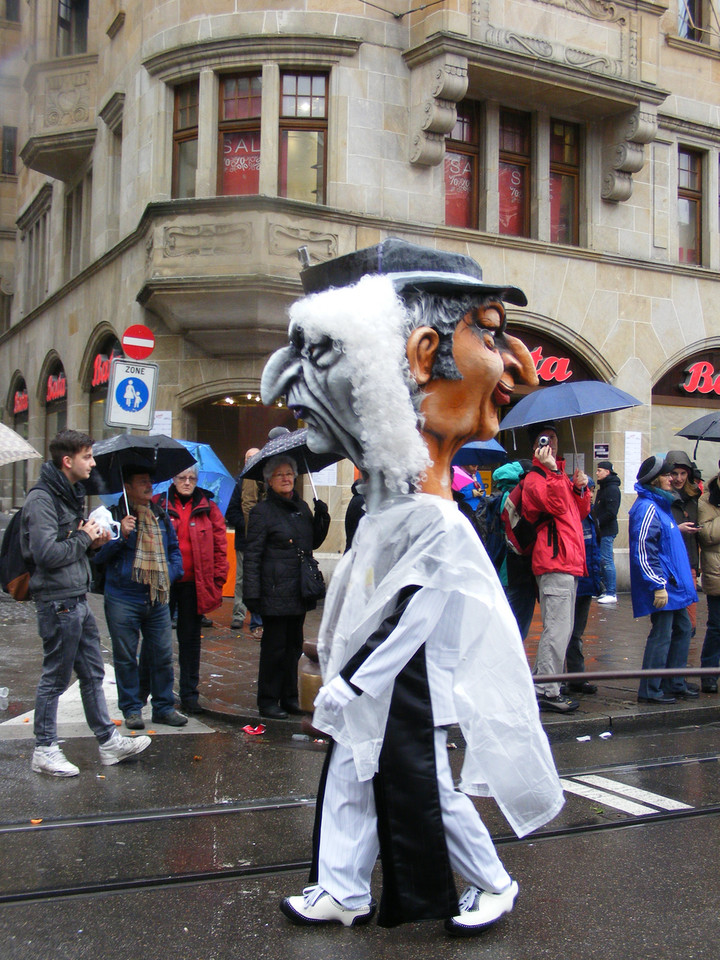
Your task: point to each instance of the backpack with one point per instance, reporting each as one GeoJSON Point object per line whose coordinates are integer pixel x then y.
{"type": "Point", "coordinates": [488, 524]}
{"type": "Point", "coordinates": [520, 533]}
{"type": "Point", "coordinates": [15, 570]}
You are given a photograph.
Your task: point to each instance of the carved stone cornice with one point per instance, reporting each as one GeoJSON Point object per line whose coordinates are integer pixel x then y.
{"type": "Point", "coordinates": [188, 59]}
{"type": "Point", "coordinates": [435, 87]}
{"type": "Point", "coordinates": [705, 132]}
{"type": "Point", "coordinates": [59, 155]}
{"type": "Point", "coordinates": [624, 151]}
{"type": "Point", "coordinates": [514, 61]}
{"type": "Point", "coordinates": [35, 209]}
{"type": "Point", "coordinates": [112, 112]}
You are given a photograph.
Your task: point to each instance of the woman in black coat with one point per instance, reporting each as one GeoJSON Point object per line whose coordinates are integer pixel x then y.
{"type": "Point", "coordinates": [277, 527]}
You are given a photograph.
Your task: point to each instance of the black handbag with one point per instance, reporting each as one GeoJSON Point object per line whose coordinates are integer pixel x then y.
{"type": "Point", "coordinates": [312, 584]}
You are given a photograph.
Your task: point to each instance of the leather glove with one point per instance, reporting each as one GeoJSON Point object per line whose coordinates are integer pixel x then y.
{"type": "Point", "coordinates": [335, 696]}
{"type": "Point", "coordinates": [661, 599]}
{"type": "Point", "coordinates": [321, 507]}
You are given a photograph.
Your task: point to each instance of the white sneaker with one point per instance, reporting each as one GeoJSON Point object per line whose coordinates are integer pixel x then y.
{"type": "Point", "coordinates": [479, 909]}
{"type": "Point", "coordinates": [53, 761]}
{"type": "Point", "coordinates": [120, 748]}
{"type": "Point", "coordinates": [607, 598]}
{"type": "Point", "coordinates": [316, 906]}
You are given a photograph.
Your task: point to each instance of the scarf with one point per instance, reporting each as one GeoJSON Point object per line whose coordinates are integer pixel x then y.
{"type": "Point", "coordinates": [150, 563]}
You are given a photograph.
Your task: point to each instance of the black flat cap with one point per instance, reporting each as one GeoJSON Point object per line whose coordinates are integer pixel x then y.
{"type": "Point", "coordinates": [409, 266]}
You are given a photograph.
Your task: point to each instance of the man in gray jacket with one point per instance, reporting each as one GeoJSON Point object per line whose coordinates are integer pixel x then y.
{"type": "Point", "coordinates": [57, 539]}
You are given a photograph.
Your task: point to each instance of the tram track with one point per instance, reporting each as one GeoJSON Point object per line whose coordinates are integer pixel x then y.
{"type": "Point", "coordinates": [247, 871]}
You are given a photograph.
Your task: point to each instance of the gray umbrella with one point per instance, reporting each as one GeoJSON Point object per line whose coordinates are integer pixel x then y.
{"type": "Point", "coordinates": [13, 447]}
{"type": "Point", "coordinates": [293, 443]}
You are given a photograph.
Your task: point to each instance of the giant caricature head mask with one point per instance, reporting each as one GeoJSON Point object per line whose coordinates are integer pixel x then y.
{"type": "Point", "coordinates": [398, 355]}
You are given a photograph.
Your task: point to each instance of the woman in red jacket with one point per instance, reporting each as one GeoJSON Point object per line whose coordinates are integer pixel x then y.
{"type": "Point", "coordinates": [200, 529]}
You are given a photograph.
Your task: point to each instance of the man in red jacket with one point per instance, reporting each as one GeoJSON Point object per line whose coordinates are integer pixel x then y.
{"type": "Point", "coordinates": [557, 505]}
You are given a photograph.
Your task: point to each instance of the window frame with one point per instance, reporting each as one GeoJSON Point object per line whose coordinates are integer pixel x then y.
{"type": "Point", "coordinates": [9, 151]}
{"type": "Point", "coordinates": [468, 113]}
{"type": "Point", "coordinates": [692, 26]}
{"type": "Point", "coordinates": [291, 123]}
{"type": "Point", "coordinates": [694, 196]}
{"type": "Point", "coordinates": [250, 124]}
{"type": "Point", "coordinates": [517, 159]}
{"type": "Point", "coordinates": [183, 135]}
{"type": "Point", "coordinates": [567, 169]}
{"type": "Point", "coordinates": [71, 33]}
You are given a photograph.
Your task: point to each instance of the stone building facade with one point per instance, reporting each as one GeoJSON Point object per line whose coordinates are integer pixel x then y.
{"type": "Point", "coordinates": [172, 161]}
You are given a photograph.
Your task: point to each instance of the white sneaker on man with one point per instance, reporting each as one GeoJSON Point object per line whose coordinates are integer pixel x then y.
{"type": "Point", "coordinates": [316, 906]}
{"type": "Point", "coordinates": [607, 598]}
{"type": "Point", "coordinates": [479, 909]}
{"type": "Point", "coordinates": [53, 761]}
{"type": "Point", "coordinates": [120, 748]}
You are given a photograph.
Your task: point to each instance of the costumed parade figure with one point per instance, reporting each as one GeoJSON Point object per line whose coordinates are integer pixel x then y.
{"type": "Point", "coordinates": [399, 356]}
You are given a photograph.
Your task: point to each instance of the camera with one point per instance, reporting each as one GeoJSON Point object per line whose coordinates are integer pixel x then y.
{"type": "Point", "coordinates": [543, 441]}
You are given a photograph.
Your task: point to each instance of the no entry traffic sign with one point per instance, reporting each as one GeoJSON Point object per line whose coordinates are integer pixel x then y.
{"type": "Point", "coordinates": [138, 341]}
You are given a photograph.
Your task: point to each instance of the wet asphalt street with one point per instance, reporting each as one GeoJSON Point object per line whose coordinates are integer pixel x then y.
{"type": "Point", "coordinates": [186, 851]}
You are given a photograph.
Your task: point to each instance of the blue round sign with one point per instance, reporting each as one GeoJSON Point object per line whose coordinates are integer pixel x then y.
{"type": "Point", "coordinates": [132, 394]}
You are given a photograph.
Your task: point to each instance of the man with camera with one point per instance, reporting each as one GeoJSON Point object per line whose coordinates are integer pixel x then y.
{"type": "Point", "coordinates": [557, 506]}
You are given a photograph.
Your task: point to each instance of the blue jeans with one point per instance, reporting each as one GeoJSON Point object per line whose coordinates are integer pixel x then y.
{"type": "Point", "coordinates": [667, 646]}
{"type": "Point", "coordinates": [70, 642]}
{"type": "Point", "coordinates": [710, 655]}
{"type": "Point", "coordinates": [126, 621]}
{"type": "Point", "coordinates": [607, 565]}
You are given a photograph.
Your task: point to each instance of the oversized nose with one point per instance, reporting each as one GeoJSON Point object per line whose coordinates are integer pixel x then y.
{"type": "Point", "coordinates": [280, 370]}
{"type": "Point", "coordinates": [518, 362]}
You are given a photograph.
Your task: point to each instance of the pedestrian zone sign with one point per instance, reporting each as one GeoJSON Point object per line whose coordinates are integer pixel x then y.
{"type": "Point", "coordinates": [132, 389]}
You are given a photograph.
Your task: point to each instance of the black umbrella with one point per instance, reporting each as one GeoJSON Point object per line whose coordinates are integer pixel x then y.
{"type": "Point", "coordinates": [704, 428]}
{"type": "Point", "coordinates": [163, 457]}
{"type": "Point", "coordinates": [295, 444]}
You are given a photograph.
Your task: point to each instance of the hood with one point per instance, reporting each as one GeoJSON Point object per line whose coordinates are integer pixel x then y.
{"type": "Point", "coordinates": [508, 475]}
{"type": "Point", "coordinates": [612, 480]}
{"type": "Point", "coordinates": [678, 458]}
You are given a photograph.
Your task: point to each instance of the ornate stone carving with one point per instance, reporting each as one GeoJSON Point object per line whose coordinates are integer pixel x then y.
{"type": "Point", "coordinates": [597, 9]}
{"type": "Point", "coordinates": [433, 117]}
{"type": "Point", "coordinates": [207, 240]}
{"type": "Point", "coordinates": [546, 50]}
{"type": "Point", "coordinates": [624, 152]}
{"type": "Point", "coordinates": [283, 241]}
{"type": "Point", "coordinates": [427, 149]}
{"type": "Point", "coordinates": [66, 99]}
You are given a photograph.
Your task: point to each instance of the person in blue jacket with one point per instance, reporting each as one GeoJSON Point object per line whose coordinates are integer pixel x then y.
{"type": "Point", "coordinates": [661, 582]}
{"type": "Point", "coordinates": [140, 565]}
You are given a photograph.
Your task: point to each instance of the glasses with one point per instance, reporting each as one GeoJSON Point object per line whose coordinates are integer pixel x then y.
{"type": "Point", "coordinates": [187, 479]}
{"type": "Point", "coordinates": [283, 476]}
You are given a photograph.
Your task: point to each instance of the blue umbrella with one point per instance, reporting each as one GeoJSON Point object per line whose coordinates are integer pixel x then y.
{"type": "Point", "coordinates": [481, 452]}
{"type": "Point", "coordinates": [212, 474]}
{"type": "Point", "coordinates": [563, 401]}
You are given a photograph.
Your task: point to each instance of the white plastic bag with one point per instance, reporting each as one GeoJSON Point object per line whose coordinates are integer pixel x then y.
{"type": "Point", "coordinates": [103, 518]}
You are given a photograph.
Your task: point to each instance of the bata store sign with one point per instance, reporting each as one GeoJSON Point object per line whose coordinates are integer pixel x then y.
{"type": "Point", "coordinates": [101, 367]}
{"type": "Point", "coordinates": [697, 377]}
{"type": "Point", "coordinates": [554, 362]}
{"type": "Point", "coordinates": [20, 401]}
{"type": "Point", "coordinates": [56, 387]}
{"type": "Point", "coordinates": [701, 377]}
{"type": "Point", "coordinates": [551, 369]}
